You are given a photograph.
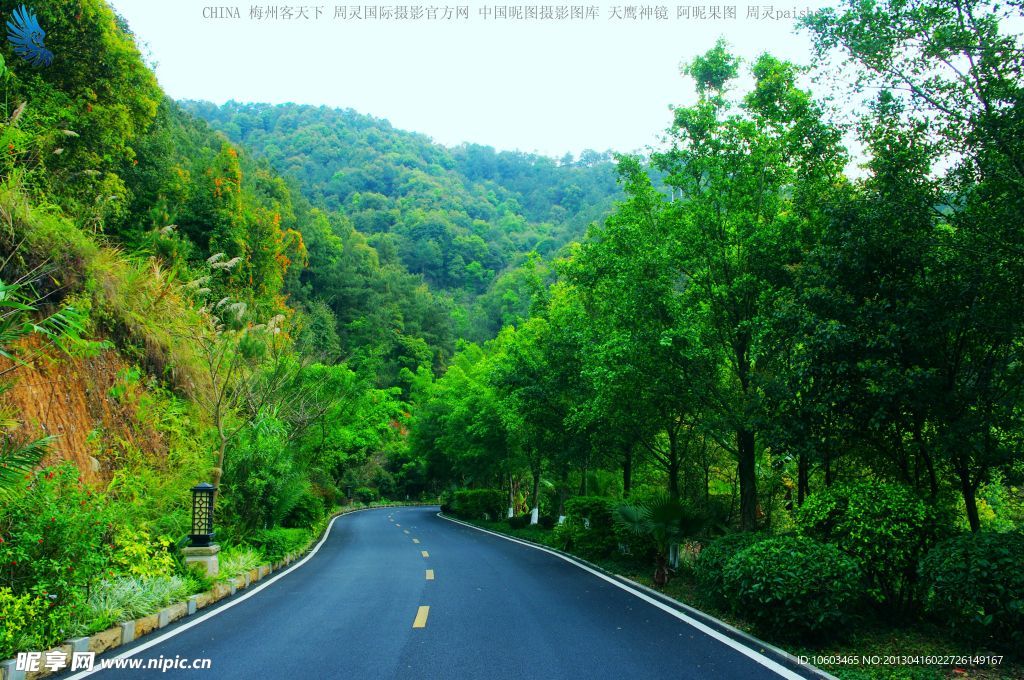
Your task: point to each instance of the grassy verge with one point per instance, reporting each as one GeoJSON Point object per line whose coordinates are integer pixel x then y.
{"type": "Point", "coordinates": [873, 638]}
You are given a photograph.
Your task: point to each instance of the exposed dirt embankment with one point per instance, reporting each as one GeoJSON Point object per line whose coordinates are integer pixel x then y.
{"type": "Point", "coordinates": [71, 399]}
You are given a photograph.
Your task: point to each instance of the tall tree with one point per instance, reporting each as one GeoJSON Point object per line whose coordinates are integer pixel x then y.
{"type": "Point", "coordinates": [745, 175]}
{"type": "Point", "coordinates": [951, 62]}
{"type": "Point", "coordinates": [644, 366]}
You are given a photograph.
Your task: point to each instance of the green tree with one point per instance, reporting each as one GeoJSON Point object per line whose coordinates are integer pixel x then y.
{"type": "Point", "coordinates": [954, 64]}
{"type": "Point", "coordinates": [457, 425]}
{"type": "Point", "coordinates": [746, 182]}
{"type": "Point", "coordinates": [528, 399]}
{"type": "Point", "coordinates": [643, 363]}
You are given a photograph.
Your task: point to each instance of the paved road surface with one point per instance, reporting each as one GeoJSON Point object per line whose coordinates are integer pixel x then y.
{"type": "Point", "coordinates": [403, 593]}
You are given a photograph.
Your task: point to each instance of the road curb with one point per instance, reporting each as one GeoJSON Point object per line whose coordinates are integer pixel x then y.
{"type": "Point", "coordinates": [754, 644]}
{"type": "Point", "coordinates": [127, 632]}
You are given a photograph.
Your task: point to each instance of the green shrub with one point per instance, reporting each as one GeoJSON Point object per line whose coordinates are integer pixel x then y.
{"type": "Point", "coordinates": [563, 535]}
{"type": "Point", "coordinates": [519, 522]}
{"type": "Point", "coordinates": [306, 512]}
{"type": "Point", "coordinates": [594, 508]}
{"type": "Point", "coordinates": [55, 541]}
{"type": "Point", "coordinates": [139, 554]}
{"type": "Point", "coordinates": [547, 521]}
{"type": "Point", "coordinates": [640, 546]}
{"type": "Point", "coordinates": [196, 581]}
{"type": "Point", "coordinates": [479, 503]}
{"type": "Point", "coordinates": [792, 586]}
{"type": "Point", "coordinates": [589, 527]}
{"type": "Point", "coordinates": [274, 544]}
{"type": "Point", "coordinates": [885, 527]}
{"type": "Point", "coordinates": [661, 520]}
{"type": "Point", "coordinates": [711, 561]}
{"type": "Point", "coordinates": [720, 509]}
{"type": "Point", "coordinates": [975, 584]}
{"type": "Point", "coordinates": [262, 481]}
{"type": "Point", "coordinates": [365, 494]}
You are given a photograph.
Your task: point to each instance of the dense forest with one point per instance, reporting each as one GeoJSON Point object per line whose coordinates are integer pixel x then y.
{"type": "Point", "coordinates": [794, 389]}
{"type": "Point", "coordinates": [465, 219]}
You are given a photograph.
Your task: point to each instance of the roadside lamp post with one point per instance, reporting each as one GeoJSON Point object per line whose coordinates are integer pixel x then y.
{"type": "Point", "coordinates": [202, 514]}
{"type": "Point", "coordinates": [202, 551]}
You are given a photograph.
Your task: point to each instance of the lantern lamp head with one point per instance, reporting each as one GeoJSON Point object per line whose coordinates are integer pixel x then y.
{"type": "Point", "coordinates": [202, 514]}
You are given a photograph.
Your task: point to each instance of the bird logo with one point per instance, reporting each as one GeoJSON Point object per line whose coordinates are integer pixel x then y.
{"type": "Point", "coordinates": [25, 33]}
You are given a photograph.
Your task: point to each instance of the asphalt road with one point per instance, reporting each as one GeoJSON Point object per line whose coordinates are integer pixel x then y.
{"type": "Point", "coordinates": [403, 593]}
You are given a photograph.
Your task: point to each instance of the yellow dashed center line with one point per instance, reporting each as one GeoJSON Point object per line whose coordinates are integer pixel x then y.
{"type": "Point", "coordinates": [398, 525]}
{"type": "Point", "coordinates": [415, 540]}
{"type": "Point", "coordinates": [405, 530]}
{"type": "Point", "coordinates": [421, 617]}
{"type": "Point", "coordinates": [430, 574]}
{"type": "Point", "coordinates": [425, 553]}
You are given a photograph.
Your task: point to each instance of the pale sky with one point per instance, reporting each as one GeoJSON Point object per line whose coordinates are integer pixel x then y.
{"type": "Point", "coordinates": [546, 86]}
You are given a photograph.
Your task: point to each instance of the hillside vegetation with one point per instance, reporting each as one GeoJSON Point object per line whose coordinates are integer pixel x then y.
{"type": "Point", "coordinates": [787, 395]}
{"type": "Point", "coordinates": [165, 322]}
{"type": "Point", "coordinates": [464, 218]}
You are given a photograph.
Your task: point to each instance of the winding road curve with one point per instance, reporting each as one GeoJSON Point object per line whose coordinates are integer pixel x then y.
{"type": "Point", "coordinates": [404, 593]}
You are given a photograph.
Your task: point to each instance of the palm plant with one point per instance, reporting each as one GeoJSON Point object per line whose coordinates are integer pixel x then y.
{"type": "Point", "coordinates": [666, 521]}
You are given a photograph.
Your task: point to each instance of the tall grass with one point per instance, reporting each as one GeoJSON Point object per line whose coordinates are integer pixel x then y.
{"type": "Point", "coordinates": [135, 300]}
{"type": "Point", "coordinates": [143, 305]}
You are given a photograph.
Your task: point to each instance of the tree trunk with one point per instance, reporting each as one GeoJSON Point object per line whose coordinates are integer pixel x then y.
{"type": "Point", "coordinates": [511, 497]}
{"type": "Point", "coordinates": [707, 483]}
{"type": "Point", "coordinates": [802, 489]}
{"type": "Point", "coordinates": [562, 489]}
{"type": "Point", "coordinates": [922, 453]}
{"type": "Point", "coordinates": [673, 464]}
{"type": "Point", "coordinates": [673, 477]}
{"type": "Point", "coordinates": [627, 473]}
{"type": "Point", "coordinates": [933, 481]}
{"type": "Point", "coordinates": [748, 479]}
{"type": "Point", "coordinates": [661, 573]}
{"type": "Point", "coordinates": [970, 500]}
{"type": "Point", "coordinates": [535, 513]}
{"type": "Point", "coordinates": [218, 471]}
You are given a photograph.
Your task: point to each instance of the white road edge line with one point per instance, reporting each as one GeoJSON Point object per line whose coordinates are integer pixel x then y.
{"type": "Point", "coordinates": [738, 646]}
{"type": "Point", "coordinates": [209, 615]}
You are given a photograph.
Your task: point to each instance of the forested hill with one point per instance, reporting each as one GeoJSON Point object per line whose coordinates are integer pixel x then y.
{"type": "Point", "coordinates": [459, 216]}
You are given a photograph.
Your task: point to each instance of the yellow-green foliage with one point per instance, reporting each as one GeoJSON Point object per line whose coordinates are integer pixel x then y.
{"type": "Point", "coordinates": [139, 554]}
{"type": "Point", "coordinates": [18, 614]}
